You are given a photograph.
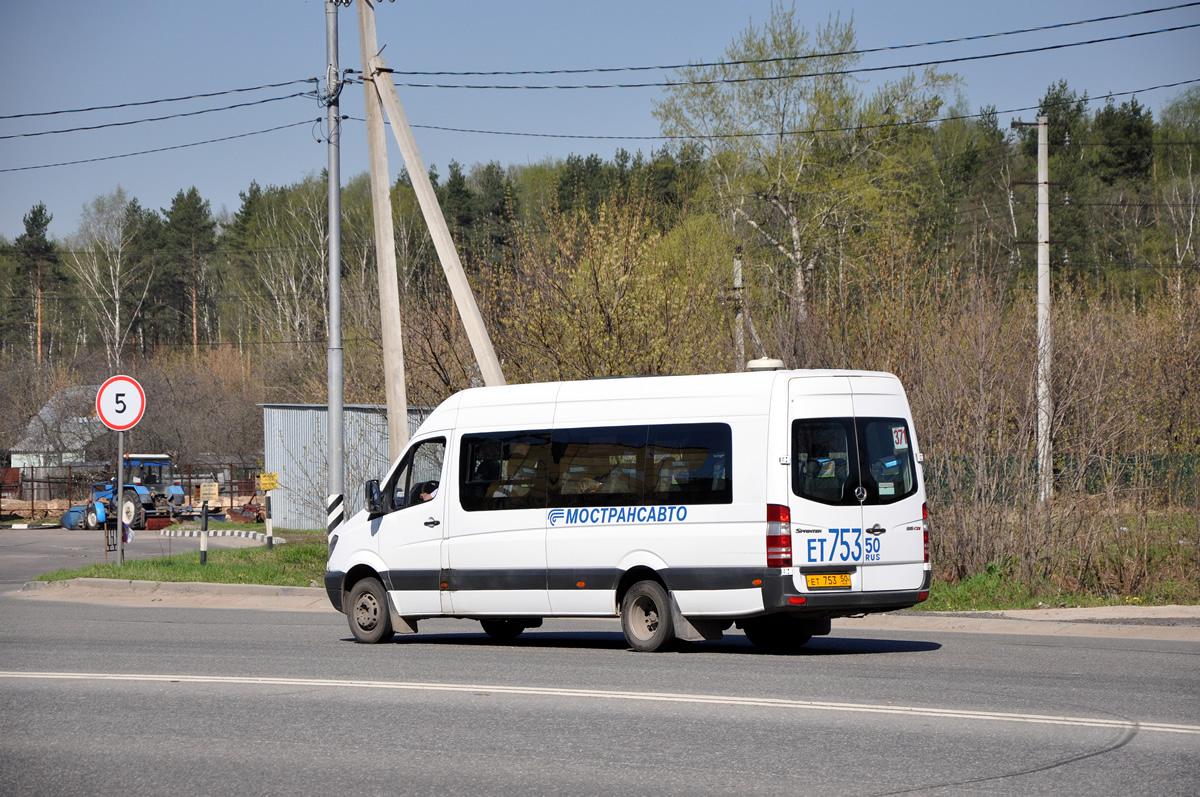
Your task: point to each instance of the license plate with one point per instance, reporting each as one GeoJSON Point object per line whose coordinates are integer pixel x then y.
{"type": "Point", "coordinates": [828, 581]}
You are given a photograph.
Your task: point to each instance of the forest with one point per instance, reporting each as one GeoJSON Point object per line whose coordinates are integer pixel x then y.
{"type": "Point", "coordinates": [889, 229]}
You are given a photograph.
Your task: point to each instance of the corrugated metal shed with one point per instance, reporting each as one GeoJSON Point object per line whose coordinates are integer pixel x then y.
{"type": "Point", "coordinates": [295, 440]}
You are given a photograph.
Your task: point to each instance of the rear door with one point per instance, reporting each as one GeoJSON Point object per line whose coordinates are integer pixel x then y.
{"type": "Point", "coordinates": [893, 542]}
{"type": "Point", "coordinates": [827, 517]}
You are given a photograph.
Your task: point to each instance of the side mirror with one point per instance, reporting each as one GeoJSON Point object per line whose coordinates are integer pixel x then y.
{"type": "Point", "coordinates": [374, 498]}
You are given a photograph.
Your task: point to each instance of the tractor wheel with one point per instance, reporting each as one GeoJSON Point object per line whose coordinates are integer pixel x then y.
{"type": "Point", "coordinates": [90, 520]}
{"type": "Point", "coordinates": [132, 512]}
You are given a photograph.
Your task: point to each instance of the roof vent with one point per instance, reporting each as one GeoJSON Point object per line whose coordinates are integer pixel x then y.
{"type": "Point", "coordinates": [765, 364]}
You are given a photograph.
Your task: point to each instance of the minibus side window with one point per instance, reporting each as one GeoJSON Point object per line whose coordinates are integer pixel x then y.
{"type": "Point", "coordinates": [504, 470]}
{"type": "Point", "coordinates": [597, 466]}
{"type": "Point", "coordinates": [419, 473]}
{"type": "Point", "coordinates": [689, 464]}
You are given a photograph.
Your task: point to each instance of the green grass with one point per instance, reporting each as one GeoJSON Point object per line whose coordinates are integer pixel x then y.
{"type": "Point", "coordinates": [296, 564]}
{"type": "Point", "coordinates": [996, 590]}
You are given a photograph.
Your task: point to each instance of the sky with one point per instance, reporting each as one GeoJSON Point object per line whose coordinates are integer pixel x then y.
{"type": "Point", "coordinates": [68, 55]}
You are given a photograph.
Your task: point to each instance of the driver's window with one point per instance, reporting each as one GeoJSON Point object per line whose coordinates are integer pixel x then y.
{"type": "Point", "coordinates": [420, 475]}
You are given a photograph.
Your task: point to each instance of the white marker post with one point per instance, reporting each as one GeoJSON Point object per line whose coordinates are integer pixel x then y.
{"type": "Point", "coordinates": [120, 404]}
{"type": "Point", "coordinates": [269, 482]}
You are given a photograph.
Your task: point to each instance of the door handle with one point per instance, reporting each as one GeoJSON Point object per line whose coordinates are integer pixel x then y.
{"type": "Point", "coordinates": [431, 523]}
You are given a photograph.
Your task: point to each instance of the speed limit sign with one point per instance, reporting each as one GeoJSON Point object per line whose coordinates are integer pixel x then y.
{"type": "Point", "coordinates": [120, 403]}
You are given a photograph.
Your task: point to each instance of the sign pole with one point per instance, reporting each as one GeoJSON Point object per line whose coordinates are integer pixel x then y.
{"type": "Point", "coordinates": [120, 404]}
{"type": "Point", "coordinates": [119, 497]}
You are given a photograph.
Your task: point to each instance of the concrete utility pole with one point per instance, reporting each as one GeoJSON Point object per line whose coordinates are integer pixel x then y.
{"type": "Point", "coordinates": [333, 85]}
{"type": "Point", "coordinates": [385, 244]}
{"type": "Point", "coordinates": [377, 74]}
{"type": "Point", "coordinates": [1044, 409]}
{"type": "Point", "coordinates": [739, 331]}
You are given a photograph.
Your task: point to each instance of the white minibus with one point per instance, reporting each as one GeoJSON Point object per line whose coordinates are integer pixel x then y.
{"type": "Point", "coordinates": [684, 505]}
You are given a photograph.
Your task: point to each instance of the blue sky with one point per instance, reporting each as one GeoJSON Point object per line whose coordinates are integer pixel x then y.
{"type": "Point", "coordinates": [70, 54]}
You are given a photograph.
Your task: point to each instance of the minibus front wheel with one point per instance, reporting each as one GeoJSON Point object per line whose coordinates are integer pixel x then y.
{"type": "Point", "coordinates": [367, 611]}
{"type": "Point", "coordinates": [646, 617]}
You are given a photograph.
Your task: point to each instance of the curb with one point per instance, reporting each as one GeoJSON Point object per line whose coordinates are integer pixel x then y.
{"type": "Point", "coordinates": [178, 587]}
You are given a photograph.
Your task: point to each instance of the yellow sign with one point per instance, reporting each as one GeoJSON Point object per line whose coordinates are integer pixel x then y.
{"type": "Point", "coordinates": [210, 491]}
{"type": "Point", "coordinates": [269, 481]}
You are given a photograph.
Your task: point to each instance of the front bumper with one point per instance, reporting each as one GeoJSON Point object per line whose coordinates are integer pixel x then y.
{"type": "Point", "coordinates": [333, 588]}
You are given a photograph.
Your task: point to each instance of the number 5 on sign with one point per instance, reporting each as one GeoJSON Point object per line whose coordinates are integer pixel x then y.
{"type": "Point", "coordinates": [120, 403]}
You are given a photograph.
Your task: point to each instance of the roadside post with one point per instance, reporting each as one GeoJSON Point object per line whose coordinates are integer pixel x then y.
{"type": "Point", "coordinates": [204, 533]}
{"type": "Point", "coordinates": [269, 482]}
{"type": "Point", "coordinates": [120, 404]}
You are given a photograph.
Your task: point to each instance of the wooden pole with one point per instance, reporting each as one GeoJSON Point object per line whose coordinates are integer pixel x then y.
{"type": "Point", "coordinates": [464, 298]}
{"type": "Point", "coordinates": [385, 246]}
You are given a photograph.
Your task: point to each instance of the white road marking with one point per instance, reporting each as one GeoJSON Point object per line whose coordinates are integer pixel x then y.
{"type": "Point", "coordinates": [663, 697]}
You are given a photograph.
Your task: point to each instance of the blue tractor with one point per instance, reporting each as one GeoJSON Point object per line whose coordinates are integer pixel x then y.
{"type": "Point", "coordinates": [150, 491]}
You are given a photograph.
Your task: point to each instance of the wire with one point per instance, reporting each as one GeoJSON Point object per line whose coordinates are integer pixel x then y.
{"type": "Point", "coordinates": [810, 131]}
{"type": "Point", "coordinates": [154, 119]}
{"type": "Point", "coordinates": [155, 102]}
{"type": "Point", "coordinates": [792, 58]}
{"type": "Point", "coordinates": [830, 73]}
{"type": "Point", "coordinates": [151, 151]}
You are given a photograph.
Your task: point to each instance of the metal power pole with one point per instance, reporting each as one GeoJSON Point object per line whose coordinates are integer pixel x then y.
{"type": "Point", "coordinates": [1044, 408]}
{"type": "Point", "coordinates": [334, 359]}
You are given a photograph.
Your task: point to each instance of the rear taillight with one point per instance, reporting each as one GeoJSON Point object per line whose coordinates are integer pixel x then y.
{"type": "Point", "coordinates": [779, 536]}
{"type": "Point", "coordinates": [925, 527]}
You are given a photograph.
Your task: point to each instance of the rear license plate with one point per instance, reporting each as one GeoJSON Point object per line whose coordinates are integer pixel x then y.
{"type": "Point", "coordinates": [828, 581]}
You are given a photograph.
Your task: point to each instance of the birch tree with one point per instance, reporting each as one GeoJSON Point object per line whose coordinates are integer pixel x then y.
{"type": "Point", "coordinates": [795, 150]}
{"type": "Point", "coordinates": [114, 287]}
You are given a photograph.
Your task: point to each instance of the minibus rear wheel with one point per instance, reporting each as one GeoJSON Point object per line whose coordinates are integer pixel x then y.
{"type": "Point", "coordinates": [646, 617]}
{"type": "Point", "coordinates": [777, 633]}
{"type": "Point", "coordinates": [367, 611]}
{"type": "Point", "coordinates": [502, 629]}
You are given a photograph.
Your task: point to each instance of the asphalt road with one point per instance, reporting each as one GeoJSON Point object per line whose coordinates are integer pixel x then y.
{"type": "Point", "coordinates": [26, 553]}
{"type": "Point", "coordinates": [101, 698]}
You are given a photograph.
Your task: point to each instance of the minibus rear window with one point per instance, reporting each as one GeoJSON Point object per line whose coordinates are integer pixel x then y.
{"type": "Point", "coordinates": [832, 457]}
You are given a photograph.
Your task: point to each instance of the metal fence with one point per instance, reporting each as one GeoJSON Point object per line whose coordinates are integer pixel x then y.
{"type": "Point", "coordinates": [43, 492]}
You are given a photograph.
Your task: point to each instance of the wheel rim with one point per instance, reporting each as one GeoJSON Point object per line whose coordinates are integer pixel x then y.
{"type": "Point", "coordinates": [127, 512]}
{"type": "Point", "coordinates": [644, 619]}
{"type": "Point", "coordinates": [366, 612]}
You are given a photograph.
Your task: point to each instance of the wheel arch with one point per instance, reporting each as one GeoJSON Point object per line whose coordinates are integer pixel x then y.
{"type": "Point", "coordinates": [632, 576]}
{"type": "Point", "coordinates": [357, 573]}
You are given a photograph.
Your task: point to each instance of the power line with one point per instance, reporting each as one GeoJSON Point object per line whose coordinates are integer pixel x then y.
{"type": "Point", "coordinates": [159, 149]}
{"type": "Point", "coordinates": [153, 119]}
{"type": "Point", "coordinates": [156, 102]}
{"type": "Point", "coordinates": [793, 58]}
{"type": "Point", "coordinates": [828, 73]}
{"type": "Point", "coordinates": [810, 131]}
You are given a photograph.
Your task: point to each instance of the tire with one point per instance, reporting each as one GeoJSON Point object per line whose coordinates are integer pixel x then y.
{"type": "Point", "coordinates": [133, 514]}
{"type": "Point", "coordinates": [777, 633]}
{"type": "Point", "coordinates": [90, 520]}
{"type": "Point", "coordinates": [503, 630]}
{"type": "Point", "coordinates": [367, 612]}
{"type": "Point", "coordinates": [646, 617]}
